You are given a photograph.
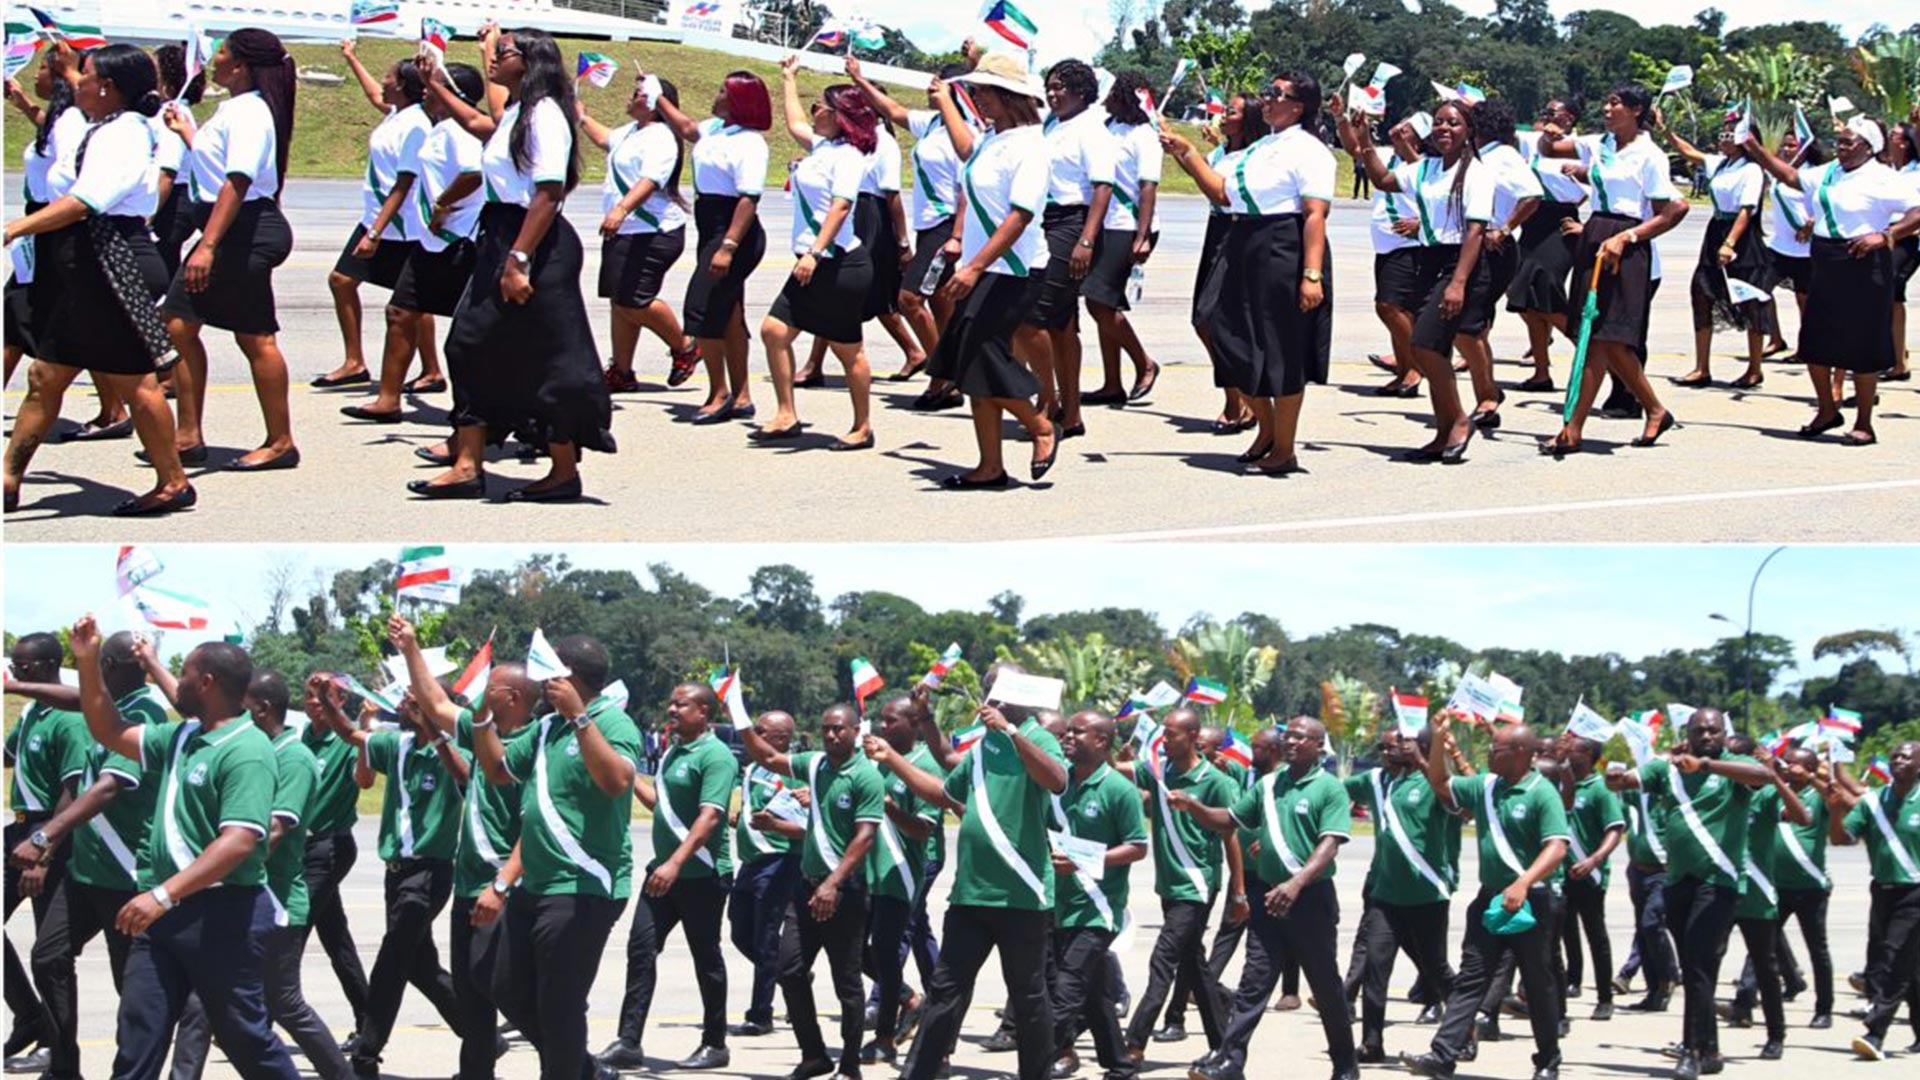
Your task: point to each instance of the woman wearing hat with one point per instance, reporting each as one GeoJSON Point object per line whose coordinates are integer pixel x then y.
{"type": "Point", "coordinates": [1268, 300]}
{"type": "Point", "coordinates": [1732, 249]}
{"type": "Point", "coordinates": [1850, 290]}
{"type": "Point", "coordinates": [997, 279]}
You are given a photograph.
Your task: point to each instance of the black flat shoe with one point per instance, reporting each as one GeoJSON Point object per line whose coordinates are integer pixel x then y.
{"type": "Point", "coordinates": [1384, 363]}
{"type": "Point", "coordinates": [1619, 412]}
{"type": "Point", "coordinates": [842, 446]}
{"type": "Point", "coordinates": [427, 454]}
{"type": "Point", "coordinates": [1232, 427]}
{"type": "Point", "coordinates": [1487, 421]}
{"type": "Point", "coordinates": [475, 488]}
{"type": "Point", "coordinates": [717, 416]}
{"type": "Point", "coordinates": [566, 492]}
{"type": "Point", "coordinates": [1898, 376]}
{"type": "Point", "coordinates": [1667, 423]}
{"type": "Point", "coordinates": [1041, 467]}
{"type": "Point", "coordinates": [288, 460]}
{"type": "Point", "coordinates": [1691, 383]}
{"type": "Point", "coordinates": [932, 402]}
{"type": "Point", "coordinates": [959, 482]}
{"type": "Point", "coordinates": [119, 429]}
{"type": "Point", "coordinates": [765, 435]}
{"type": "Point", "coordinates": [322, 382]}
{"type": "Point", "coordinates": [1748, 382]}
{"type": "Point", "coordinates": [192, 455]}
{"type": "Point", "coordinates": [143, 507]}
{"type": "Point", "coordinates": [813, 383]}
{"type": "Point", "coordinates": [1104, 397]}
{"type": "Point", "coordinates": [1398, 389]}
{"type": "Point", "coordinates": [707, 1057]}
{"type": "Point", "coordinates": [1145, 386]}
{"type": "Point", "coordinates": [1074, 432]}
{"type": "Point", "coordinates": [1535, 385]}
{"type": "Point", "coordinates": [1255, 454]}
{"type": "Point", "coordinates": [1556, 449]}
{"type": "Point", "coordinates": [745, 412]}
{"type": "Point", "coordinates": [1421, 455]}
{"type": "Point", "coordinates": [1821, 427]}
{"type": "Point", "coordinates": [425, 386]}
{"type": "Point", "coordinates": [361, 412]}
{"type": "Point", "coordinates": [1853, 438]}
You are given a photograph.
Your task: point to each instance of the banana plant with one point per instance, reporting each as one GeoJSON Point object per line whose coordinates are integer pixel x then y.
{"type": "Point", "coordinates": [1888, 67]}
{"type": "Point", "coordinates": [1098, 674]}
{"type": "Point", "coordinates": [1225, 653]}
{"type": "Point", "coordinates": [1772, 77]}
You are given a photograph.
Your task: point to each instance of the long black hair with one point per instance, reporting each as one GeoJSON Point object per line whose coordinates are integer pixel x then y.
{"type": "Point", "coordinates": [1253, 122]}
{"type": "Point", "coordinates": [57, 102]}
{"type": "Point", "coordinates": [1306, 91]}
{"type": "Point", "coordinates": [132, 73]}
{"type": "Point", "coordinates": [545, 80]}
{"type": "Point", "coordinates": [672, 93]}
{"type": "Point", "coordinates": [412, 87]}
{"type": "Point", "coordinates": [275, 78]}
{"type": "Point", "coordinates": [1123, 101]}
{"type": "Point", "coordinates": [1457, 198]}
{"type": "Point", "coordinates": [172, 62]}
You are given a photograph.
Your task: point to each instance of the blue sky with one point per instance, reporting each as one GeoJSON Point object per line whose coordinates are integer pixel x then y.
{"type": "Point", "coordinates": [1631, 600]}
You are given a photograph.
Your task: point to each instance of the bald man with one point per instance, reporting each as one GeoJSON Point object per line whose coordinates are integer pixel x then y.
{"type": "Point", "coordinates": [769, 871]}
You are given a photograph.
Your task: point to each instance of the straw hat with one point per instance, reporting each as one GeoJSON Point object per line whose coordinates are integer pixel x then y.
{"type": "Point", "coordinates": [1003, 72]}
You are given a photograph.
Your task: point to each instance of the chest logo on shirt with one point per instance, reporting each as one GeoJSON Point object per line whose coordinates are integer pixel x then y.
{"type": "Point", "coordinates": [680, 771]}
{"type": "Point", "coordinates": [1580, 802]}
{"type": "Point", "coordinates": [427, 782]}
{"type": "Point", "coordinates": [844, 801]}
{"type": "Point", "coordinates": [1711, 783]}
{"type": "Point", "coordinates": [1303, 807]}
{"type": "Point", "coordinates": [1519, 811]}
{"type": "Point", "coordinates": [1092, 810]}
{"type": "Point", "coordinates": [35, 742]}
{"type": "Point", "coordinates": [573, 748]}
{"type": "Point", "coordinates": [198, 774]}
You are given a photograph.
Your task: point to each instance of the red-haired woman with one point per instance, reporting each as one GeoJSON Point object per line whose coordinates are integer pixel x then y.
{"type": "Point", "coordinates": [729, 172]}
{"type": "Point", "coordinates": [826, 294]}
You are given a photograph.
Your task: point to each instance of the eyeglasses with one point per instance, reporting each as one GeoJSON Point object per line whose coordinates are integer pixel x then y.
{"type": "Point", "coordinates": [1274, 93]}
{"type": "Point", "coordinates": [505, 51]}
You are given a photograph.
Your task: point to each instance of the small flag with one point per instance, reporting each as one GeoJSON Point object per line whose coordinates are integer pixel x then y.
{"type": "Point", "coordinates": [1585, 723]}
{"type": "Point", "coordinates": [473, 681]}
{"type": "Point", "coordinates": [22, 43]}
{"type": "Point", "coordinates": [963, 101]}
{"type": "Point", "coordinates": [1839, 104]}
{"type": "Point", "coordinates": [542, 662]}
{"type": "Point", "coordinates": [1148, 739]}
{"type": "Point", "coordinates": [435, 35]}
{"type": "Point", "coordinates": [1162, 695]}
{"type": "Point", "coordinates": [1234, 750]}
{"type": "Point", "coordinates": [1639, 736]}
{"type": "Point", "coordinates": [596, 68]}
{"type": "Point", "coordinates": [200, 49]}
{"type": "Point", "coordinates": [1470, 93]}
{"type": "Point", "coordinates": [1180, 71]}
{"type": "Point", "coordinates": [866, 681]}
{"type": "Point", "coordinates": [726, 684]}
{"type": "Point", "coordinates": [942, 667]}
{"type": "Point", "coordinates": [1744, 126]}
{"type": "Point", "coordinates": [169, 610]}
{"type": "Point", "coordinates": [1679, 77]}
{"type": "Point", "coordinates": [1371, 100]}
{"type": "Point", "coordinates": [1447, 93]}
{"type": "Point", "coordinates": [1383, 73]}
{"type": "Point", "coordinates": [1409, 712]}
{"type": "Point", "coordinates": [964, 739]}
{"type": "Point", "coordinates": [1842, 722]}
{"type": "Point", "coordinates": [370, 12]}
{"type": "Point", "coordinates": [1649, 718]}
{"type": "Point", "coordinates": [1878, 769]}
{"type": "Point", "coordinates": [78, 35]}
{"type": "Point", "coordinates": [1681, 714]}
{"type": "Point", "coordinates": [1206, 691]}
{"type": "Point", "coordinates": [384, 700]}
{"type": "Point", "coordinates": [1353, 64]}
{"type": "Point", "coordinates": [1147, 106]}
{"type": "Point", "coordinates": [1802, 134]}
{"type": "Point", "coordinates": [1744, 292]}
{"type": "Point", "coordinates": [868, 34]}
{"type": "Point", "coordinates": [617, 694]}
{"type": "Point", "coordinates": [1216, 103]}
{"type": "Point", "coordinates": [832, 34]}
{"type": "Point", "coordinates": [135, 565]}
{"type": "Point", "coordinates": [1777, 742]}
{"type": "Point", "coordinates": [1136, 705]}
{"type": "Point", "coordinates": [425, 565]}
{"type": "Point", "coordinates": [1003, 18]}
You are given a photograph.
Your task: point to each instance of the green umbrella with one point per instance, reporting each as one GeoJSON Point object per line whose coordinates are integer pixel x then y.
{"type": "Point", "coordinates": [1587, 315]}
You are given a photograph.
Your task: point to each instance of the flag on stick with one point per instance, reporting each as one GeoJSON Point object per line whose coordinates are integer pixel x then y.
{"type": "Point", "coordinates": [1878, 769]}
{"type": "Point", "coordinates": [542, 662]}
{"type": "Point", "coordinates": [22, 43]}
{"type": "Point", "coordinates": [78, 35]}
{"type": "Point", "coordinates": [424, 565]}
{"type": "Point", "coordinates": [942, 667]}
{"type": "Point", "coordinates": [169, 610]}
{"type": "Point", "coordinates": [1409, 712]}
{"type": "Point", "coordinates": [1844, 723]}
{"type": "Point", "coordinates": [473, 681]}
{"type": "Point", "coordinates": [374, 12]}
{"type": "Point", "coordinates": [434, 36]}
{"type": "Point", "coordinates": [384, 700]}
{"type": "Point", "coordinates": [726, 684]}
{"type": "Point", "coordinates": [1234, 750]}
{"type": "Point", "coordinates": [1003, 18]}
{"type": "Point", "coordinates": [1206, 691]}
{"type": "Point", "coordinates": [866, 681]}
{"type": "Point", "coordinates": [596, 68]}
{"type": "Point", "coordinates": [1679, 77]}
{"type": "Point", "coordinates": [134, 566]}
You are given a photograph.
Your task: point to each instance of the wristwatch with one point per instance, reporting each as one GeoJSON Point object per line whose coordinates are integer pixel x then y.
{"type": "Point", "coordinates": [162, 897]}
{"type": "Point", "coordinates": [580, 722]}
{"type": "Point", "coordinates": [1085, 243]}
{"type": "Point", "coordinates": [1312, 275]}
{"type": "Point", "coordinates": [502, 886]}
{"type": "Point", "coordinates": [40, 840]}
{"type": "Point", "coordinates": [520, 258]}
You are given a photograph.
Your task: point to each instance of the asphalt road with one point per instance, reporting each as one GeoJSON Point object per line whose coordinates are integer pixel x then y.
{"type": "Point", "coordinates": [1734, 470]}
{"type": "Point", "coordinates": [1627, 1046]}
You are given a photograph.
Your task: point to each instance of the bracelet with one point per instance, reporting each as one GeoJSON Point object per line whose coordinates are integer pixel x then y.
{"type": "Point", "coordinates": [479, 724]}
{"type": "Point", "coordinates": [162, 897]}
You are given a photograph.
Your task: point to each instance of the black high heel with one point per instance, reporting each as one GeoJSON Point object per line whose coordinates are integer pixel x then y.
{"type": "Point", "coordinates": [1255, 454]}
{"type": "Point", "coordinates": [1457, 453]}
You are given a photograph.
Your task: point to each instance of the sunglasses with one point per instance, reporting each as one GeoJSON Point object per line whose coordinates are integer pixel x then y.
{"type": "Point", "coordinates": [1274, 93]}
{"type": "Point", "coordinates": [505, 51]}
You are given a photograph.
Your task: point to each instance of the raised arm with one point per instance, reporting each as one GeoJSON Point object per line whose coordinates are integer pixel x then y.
{"type": "Point", "coordinates": [1694, 155]}
{"type": "Point", "coordinates": [1194, 164]}
{"type": "Point", "coordinates": [1042, 768]}
{"type": "Point", "coordinates": [1783, 174]}
{"type": "Point", "coordinates": [434, 703]}
{"type": "Point", "coordinates": [104, 721]}
{"type": "Point", "coordinates": [596, 132]}
{"type": "Point", "coordinates": [480, 123]}
{"type": "Point", "coordinates": [1840, 802]}
{"type": "Point", "coordinates": [157, 672]}
{"type": "Point", "coordinates": [799, 121]}
{"type": "Point", "coordinates": [1750, 774]}
{"type": "Point", "coordinates": [925, 786]}
{"type": "Point", "coordinates": [882, 104]}
{"type": "Point", "coordinates": [682, 124]}
{"type": "Point", "coordinates": [369, 85]}
{"type": "Point", "coordinates": [763, 753]}
{"type": "Point", "coordinates": [611, 773]}
{"type": "Point", "coordinates": [1437, 754]}
{"type": "Point", "coordinates": [1357, 140]}
{"type": "Point", "coordinates": [52, 695]}
{"type": "Point", "coordinates": [958, 131]}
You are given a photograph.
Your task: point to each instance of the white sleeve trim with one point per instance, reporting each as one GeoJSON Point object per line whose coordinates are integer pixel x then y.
{"type": "Point", "coordinates": [247, 825]}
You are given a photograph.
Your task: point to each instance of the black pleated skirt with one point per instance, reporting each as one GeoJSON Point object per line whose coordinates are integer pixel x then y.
{"type": "Point", "coordinates": [829, 306]}
{"type": "Point", "coordinates": [1626, 295]}
{"type": "Point", "coordinates": [1546, 259]}
{"type": "Point", "coordinates": [1713, 305]}
{"type": "Point", "coordinates": [1493, 275]}
{"type": "Point", "coordinates": [1264, 344]}
{"type": "Point", "coordinates": [926, 247]}
{"type": "Point", "coordinates": [711, 301]}
{"type": "Point", "coordinates": [1848, 322]}
{"type": "Point", "coordinates": [1059, 303]}
{"type": "Point", "coordinates": [433, 282]}
{"type": "Point", "coordinates": [976, 349]}
{"type": "Point", "coordinates": [239, 293]}
{"type": "Point", "coordinates": [873, 224]}
{"type": "Point", "coordinates": [1401, 277]}
{"type": "Point", "coordinates": [528, 369]}
{"type": "Point", "coordinates": [1106, 281]}
{"type": "Point", "coordinates": [633, 266]}
{"type": "Point", "coordinates": [19, 299]}
{"type": "Point", "coordinates": [1217, 225]}
{"type": "Point", "coordinates": [384, 268]}
{"type": "Point", "coordinates": [78, 321]}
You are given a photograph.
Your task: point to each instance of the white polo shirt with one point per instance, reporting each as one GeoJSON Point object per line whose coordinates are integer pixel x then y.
{"type": "Point", "coordinates": [1080, 152]}
{"type": "Point", "coordinates": [1136, 160]}
{"type": "Point", "coordinates": [729, 160]}
{"type": "Point", "coordinates": [238, 140]}
{"type": "Point", "coordinates": [636, 153]}
{"type": "Point", "coordinates": [832, 171]}
{"type": "Point", "coordinates": [395, 139]}
{"type": "Point", "coordinates": [1733, 183]}
{"type": "Point", "coordinates": [1006, 172]}
{"type": "Point", "coordinates": [120, 177]}
{"type": "Point", "coordinates": [549, 145]}
{"type": "Point", "coordinates": [1626, 180]}
{"type": "Point", "coordinates": [448, 153]}
{"type": "Point", "coordinates": [1277, 174]}
{"type": "Point", "coordinates": [1559, 187]}
{"type": "Point", "coordinates": [170, 150]}
{"type": "Point", "coordinates": [1846, 204]}
{"type": "Point", "coordinates": [1513, 180]}
{"type": "Point", "coordinates": [64, 138]}
{"type": "Point", "coordinates": [1389, 207]}
{"type": "Point", "coordinates": [1787, 210]}
{"type": "Point", "coordinates": [883, 166]}
{"type": "Point", "coordinates": [1431, 184]}
{"type": "Point", "coordinates": [936, 170]}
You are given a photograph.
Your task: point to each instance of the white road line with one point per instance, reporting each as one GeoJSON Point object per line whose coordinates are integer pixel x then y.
{"type": "Point", "coordinates": [1479, 513]}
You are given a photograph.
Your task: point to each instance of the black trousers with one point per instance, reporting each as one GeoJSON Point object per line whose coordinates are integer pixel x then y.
{"type": "Point", "coordinates": [756, 909]}
{"type": "Point", "coordinates": [1503, 976]}
{"type": "Point", "coordinates": [417, 891]}
{"type": "Point", "coordinates": [1370, 917]}
{"type": "Point", "coordinates": [1310, 934]}
{"type": "Point", "coordinates": [1760, 936]}
{"type": "Point", "coordinates": [548, 959]}
{"type": "Point", "coordinates": [76, 914]}
{"type": "Point", "coordinates": [1652, 941]}
{"type": "Point", "coordinates": [1587, 913]}
{"type": "Point", "coordinates": [475, 950]}
{"type": "Point", "coordinates": [1419, 930]}
{"type": "Point", "coordinates": [1080, 997]}
{"type": "Point", "coordinates": [843, 938]}
{"type": "Point", "coordinates": [697, 905]}
{"type": "Point", "coordinates": [1226, 942]}
{"type": "Point", "coordinates": [1700, 915]}
{"type": "Point", "coordinates": [29, 1012]}
{"type": "Point", "coordinates": [1178, 951]}
{"type": "Point", "coordinates": [211, 945]}
{"type": "Point", "coordinates": [885, 959]}
{"type": "Point", "coordinates": [286, 1006]}
{"type": "Point", "coordinates": [1808, 907]}
{"type": "Point", "coordinates": [1480, 955]}
{"type": "Point", "coordinates": [330, 857]}
{"type": "Point", "coordinates": [1893, 921]}
{"type": "Point", "coordinates": [967, 936]}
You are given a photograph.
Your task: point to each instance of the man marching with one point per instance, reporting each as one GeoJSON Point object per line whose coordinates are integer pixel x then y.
{"type": "Point", "coordinates": [1887, 819]}
{"type": "Point", "coordinates": [768, 873]}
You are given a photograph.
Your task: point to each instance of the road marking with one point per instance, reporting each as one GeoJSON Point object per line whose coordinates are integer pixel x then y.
{"type": "Point", "coordinates": [1482, 513]}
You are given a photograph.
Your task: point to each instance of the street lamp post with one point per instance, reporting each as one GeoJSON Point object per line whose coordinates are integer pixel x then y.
{"type": "Point", "coordinates": [1746, 646]}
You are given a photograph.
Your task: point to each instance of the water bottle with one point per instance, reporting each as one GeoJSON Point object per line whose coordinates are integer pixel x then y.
{"type": "Point", "coordinates": [1136, 284]}
{"type": "Point", "coordinates": [936, 270]}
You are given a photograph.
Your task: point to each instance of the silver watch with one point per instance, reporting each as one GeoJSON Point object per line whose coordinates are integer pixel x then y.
{"type": "Point", "coordinates": [502, 886]}
{"type": "Point", "coordinates": [520, 258]}
{"type": "Point", "coordinates": [41, 840]}
{"type": "Point", "coordinates": [580, 722]}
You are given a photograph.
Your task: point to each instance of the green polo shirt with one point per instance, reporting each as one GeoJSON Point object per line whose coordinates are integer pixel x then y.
{"type": "Point", "coordinates": [574, 838]}
{"type": "Point", "coordinates": [1187, 856]}
{"type": "Point", "coordinates": [1001, 852]}
{"type": "Point", "coordinates": [1720, 807]}
{"type": "Point", "coordinates": [420, 815]}
{"type": "Point", "coordinates": [47, 748]}
{"type": "Point", "coordinates": [1529, 815]}
{"type": "Point", "coordinates": [1291, 814]}
{"type": "Point", "coordinates": [1243, 780]}
{"type": "Point", "coordinates": [1596, 812]}
{"type": "Point", "coordinates": [696, 774]}
{"type": "Point", "coordinates": [336, 800]}
{"type": "Point", "coordinates": [758, 786]}
{"type": "Point", "coordinates": [489, 820]}
{"type": "Point", "coordinates": [109, 848]}
{"type": "Point", "coordinates": [207, 783]}
{"type": "Point", "coordinates": [297, 774]}
{"type": "Point", "coordinates": [1416, 848]}
{"type": "Point", "coordinates": [1903, 817]}
{"type": "Point", "coordinates": [1759, 891]}
{"type": "Point", "coordinates": [1802, 859]}
{"type": "Point", "coordinates": [844, 795]}
{"type": "Point", "coordinates": [1105, 807]}
{"type": "Point", "coordinates": [1646, 829]}
{"type": "Point", "coordinates": [896, 865]}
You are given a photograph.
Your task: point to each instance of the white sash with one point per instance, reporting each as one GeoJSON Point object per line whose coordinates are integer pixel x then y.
{"type": "Point", "coordinates": [177, 847]}
{"type": "Point", "coordinates": [1382, 797]}
{"type": "Point", "coordinates": [1087, 884]}
{"type": "Point", "coordinates": [997, 836]}
{"type": "Point", "coordinates": [746, 811]}
{"type": "Point", "coordinates": [1675, 780]}
{"type": "Point", "coordinates": [1180, 852]}
{"type": "Point", "coordinates": [1499, 831]}
{"type": "Point", "coordinates": [828, 853]}
{"type": "Point", "coordinates": [1899, 850]}
{"type": "Point", "coordinates": [1791, 841]}
{"type": "Point", "coordinates": [1759, 878]}
{"type": "Point", "coordinates": [280, 916]}
{"type": "Point", "coordinates": [550, 814]}
{"type": "Point", "coordinates": [664, 807]}
{"type": "Point", "coordinates": [477, 826]}
{"type": "Point", "coordinates": [1646, 825]}
{"type": "Point", "coordinates": [110, 837]}
{"type": "Point", "coordinates": [406, 801]}
{"type": "Point", "coordinates": [1279, 839]}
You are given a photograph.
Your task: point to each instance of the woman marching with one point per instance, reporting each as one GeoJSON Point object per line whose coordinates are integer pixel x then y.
{"type": "Point", "coordinates": [1732, 249]}
{"type": "Point", "coordinates": [521, 349]}
{"type": "Point", "coordinates": [1850, 286]}
{"type": "Point", "coordinates": [1517, 195]}
{"type": "Point", "coordinates": [1081, 153]}
{"type": "Point", "coordinates": [1547, 242]}
{"type": "Point", "coordinates": [1268, 302]}
{"type": "Point", "coordinates": [826, 293]}
{"type": "Point", "coordinates": [729, 172]}
{"type": "Point", "coordinates": [237, 165]}
{"type": "Point", "coordinates": [1129, 234]}
{"type": "Point", "coordinates": [99, 273]}
{"type": "Point", "coordinates": [173, 222]}
{"type": "Point", "coordinates": [643, 232]}
{"type": "Point", "coordinates": [442, 208]}
{"type": "Point", "coordinates": [1789, 228]}
{"type": "Point", "coordinates": [1903, 157]}
{"type": "Point", "coordinates": [1241, 126]}
{"type": "Point", "coordinates": [379, 245]}
{"type": "Point", "coordinates": [997, 279]}
{"type": "Point", "coordinates": [1399, 287]}
{"type": "Point", "coordinates": [1453, 202]}
{"type": "Point", "coordinates": [1634, 202]}
{"type": "Point", "coordinates": [57, 126]}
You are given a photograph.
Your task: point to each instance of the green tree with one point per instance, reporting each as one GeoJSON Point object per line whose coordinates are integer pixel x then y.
{"type": "Point", "coordinates": [1226, 654]}
{"type": "Point", "coordinates": [1097, 674]}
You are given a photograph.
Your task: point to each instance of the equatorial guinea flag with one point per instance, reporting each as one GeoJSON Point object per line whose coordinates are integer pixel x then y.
{"type": "Point", "coordinates": [473, 681]}
{"type": "Point", "coordinates": [866, 680]}
{"type": "Point", "coordinates": [1206, 691]}
{"type": "Point", "coordinates": [420, 566]}
{"type": "Point", "coordinates": [1409, 712]}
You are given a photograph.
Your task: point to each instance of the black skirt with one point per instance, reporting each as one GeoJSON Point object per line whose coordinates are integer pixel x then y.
{"type": "Point", "coordinates": [873, 224]}
{"type": "Point", "coordinates": [1264, 344]}
{"type": "Point", "coordinates": [1217, 225]}
{"type": "Point", "coordinates": [710, 303]}
{"type": "Point", "coordinates": [1433, 330]}
{"type": "Point", "coordinates": [1401, 278]}
{"type": "Point", "coordinates": [830, 305]}
{"type": "Point", "coordinates": [19, 298]}
{"type": "Point", "coordinates": [1493, 274]}
{"type": "Point", "coordinates": [634, 265]}
{"type": "Point", "coordinates": [1713, 306]}
{"type": "Point", "coordinates": [528, 369]}
{"type": "Point", "coordinates": [432, 282]}
{"type": "Point", "coordinates": [1906, 259]}
{"type": "Point", "coordinates": [239, 293]}
{"type": "Point", "coordinates": [1626, 295]}
{"type": "Point", "coordinates": [384, 268]}
{"type": "Point", "coordinates": [173, 226]}
{"type": "Point", "coordinates": [78, 321]}
{"type": "Point", "coordinates": [1848, 322]}
{"type": "Point", "coordinates": [1546, 258]}
{"type": "Point", "coordinates": [976, 349]}
{"type": "Point", "coordinates": [1106, 281]}
{"type": "Point", "coordinates": [1794, 271]}
{"type": "Point", "coordinates": [926, 246]}
{"type": "Point", "coordinates": [1059, 303]}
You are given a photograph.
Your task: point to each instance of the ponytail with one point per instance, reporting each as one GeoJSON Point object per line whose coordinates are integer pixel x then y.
{"type": "Point", "coordinates": [275, 77]}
